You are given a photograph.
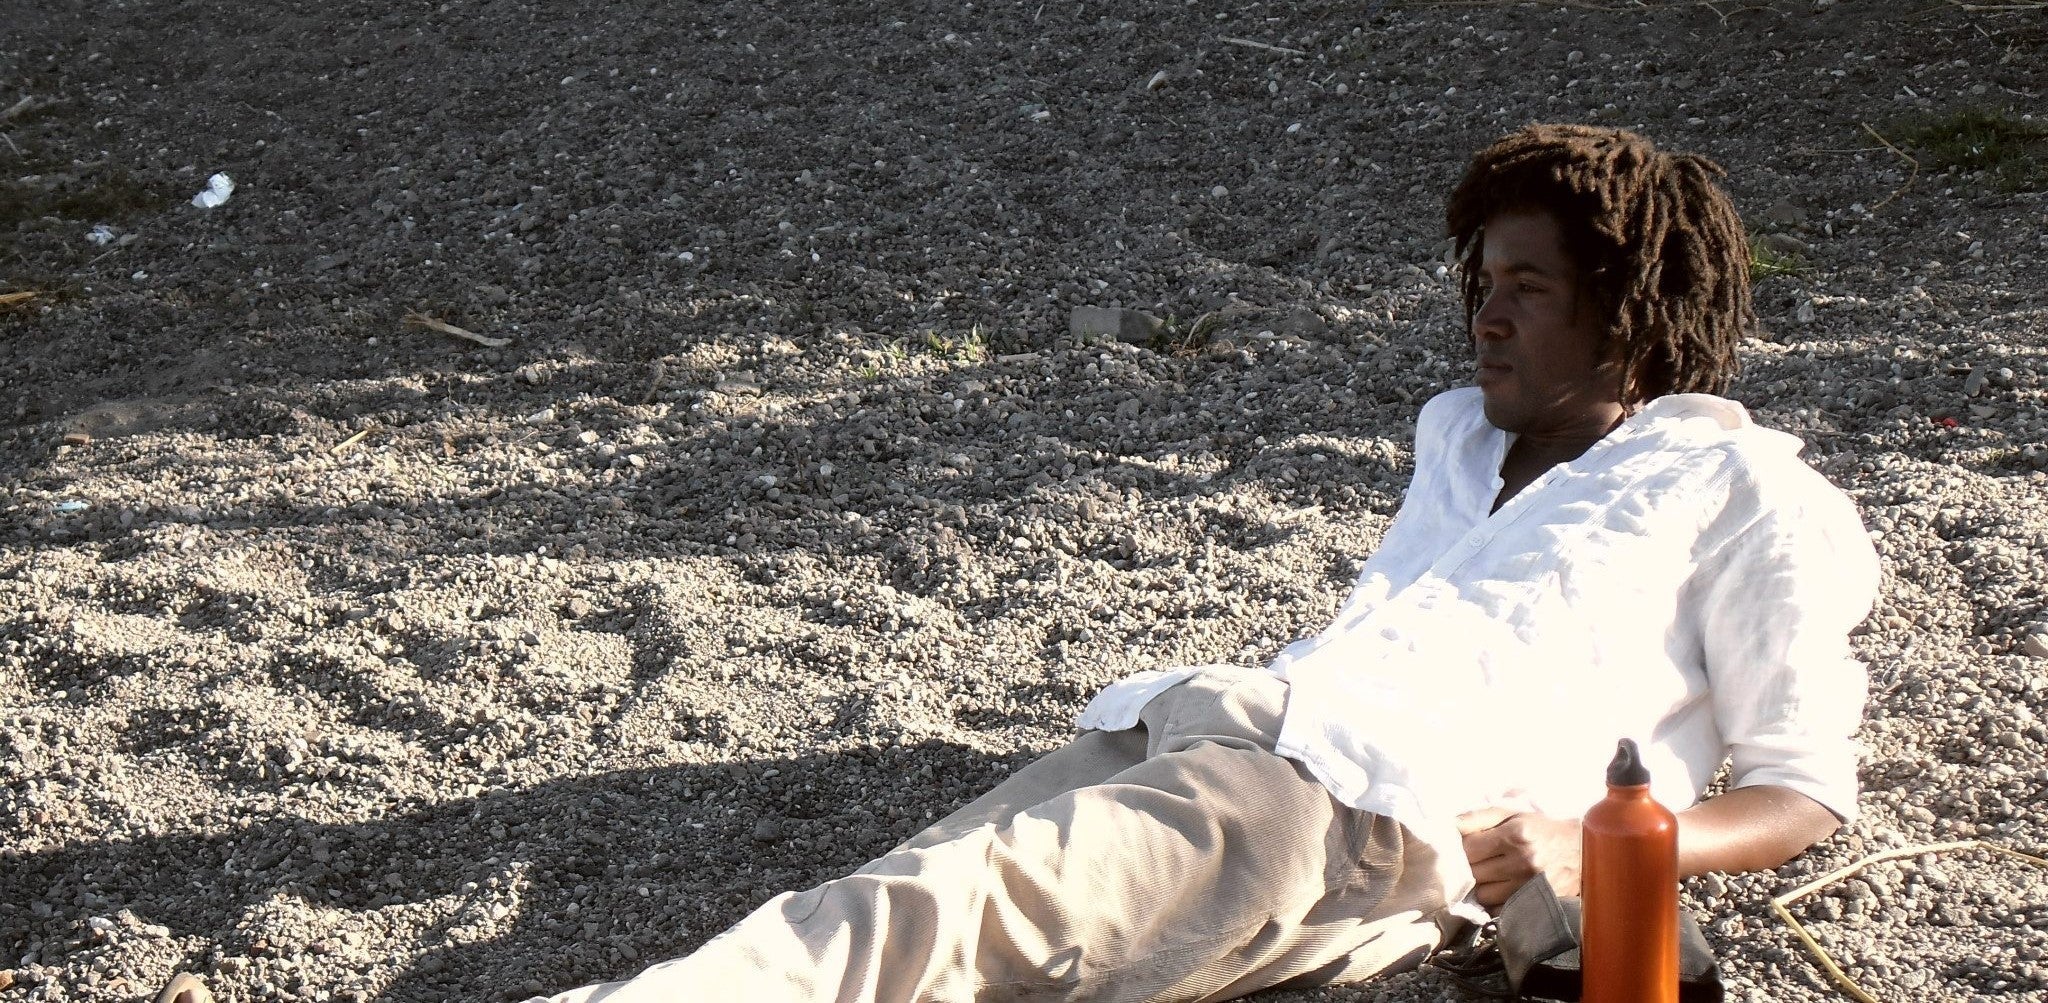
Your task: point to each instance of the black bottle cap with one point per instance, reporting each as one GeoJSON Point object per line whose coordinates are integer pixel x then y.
{"type": "Point", "coordinates": [1627, 770]}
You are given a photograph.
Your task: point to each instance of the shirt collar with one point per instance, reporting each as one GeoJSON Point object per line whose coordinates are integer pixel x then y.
{"type": "Point", "coordinates": [1729, 414]}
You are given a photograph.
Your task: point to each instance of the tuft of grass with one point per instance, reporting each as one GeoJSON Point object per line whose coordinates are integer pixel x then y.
{"type": "Point", "coordinates": [896, 356]}
{"type": "Point", "coordinates": [892, 358]}
{"type": "Point", "coordinates": [1767, 262]}
{"type": "Point", "coordinates": [969, 347]}
{"type": "Point", "coordinates": [974, 347]}
{"type": "Point", "coordinates": [2005, 458]}
{"type": "Point", "coordinates": [1184, 337]}
{"type": "Point", "coordinates": [2011, 153]}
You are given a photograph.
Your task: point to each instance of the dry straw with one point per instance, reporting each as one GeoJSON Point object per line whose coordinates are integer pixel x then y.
{"type": "Point", "coordinates": [1834, 971]}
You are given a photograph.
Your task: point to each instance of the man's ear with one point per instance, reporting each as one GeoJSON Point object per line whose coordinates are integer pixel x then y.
{"type": "Point", "coordinates": [1626, 392]}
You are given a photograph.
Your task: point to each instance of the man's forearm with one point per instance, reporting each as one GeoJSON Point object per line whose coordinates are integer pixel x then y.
{"type": "Point", "coordinates": [1749, 829]}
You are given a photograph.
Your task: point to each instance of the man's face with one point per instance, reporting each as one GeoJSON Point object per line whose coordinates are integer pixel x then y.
{"type": "Point", "coordinates": [1545, 367]}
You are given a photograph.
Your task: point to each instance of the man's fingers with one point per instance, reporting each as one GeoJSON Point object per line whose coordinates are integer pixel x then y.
{"type": "Point", "coordinates": [1481, 820]}
{"type": "Point", "coordinates": [1482, 844]}
{"type": "Point", "coordinates": [1494, 894]}
{"type": "Point", "coordinates": [1501, 840]}
{"type": "Point", "coordinates": [1502, 867]}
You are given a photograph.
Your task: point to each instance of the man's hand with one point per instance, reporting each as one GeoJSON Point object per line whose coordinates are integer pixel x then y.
{"type": "Point", "coordinates": [1746, 829]}
{"type": "Point", "coordinates": [1507, 848]}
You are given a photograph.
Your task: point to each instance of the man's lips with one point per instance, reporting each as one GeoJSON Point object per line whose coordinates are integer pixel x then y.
{"type": "Point", "coordinates": [1491, 369]}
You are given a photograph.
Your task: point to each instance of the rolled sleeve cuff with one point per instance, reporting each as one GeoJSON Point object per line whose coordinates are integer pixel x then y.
{"type": "Point", "coordinates": [1830, 782]}
{"type": "Point", "coordinates": [1117, 706]}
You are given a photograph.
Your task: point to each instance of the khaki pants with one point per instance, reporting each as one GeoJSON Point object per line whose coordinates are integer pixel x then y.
{"type": "Point", "coordinates": [1181, 860]}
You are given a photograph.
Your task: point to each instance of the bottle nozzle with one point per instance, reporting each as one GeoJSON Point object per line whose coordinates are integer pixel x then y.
{"type": "Point", "coordinates": [1627, 769]}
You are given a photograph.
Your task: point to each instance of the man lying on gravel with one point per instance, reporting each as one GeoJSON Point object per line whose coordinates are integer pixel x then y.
{"type": "Point", "coordinates": [1593, 547]}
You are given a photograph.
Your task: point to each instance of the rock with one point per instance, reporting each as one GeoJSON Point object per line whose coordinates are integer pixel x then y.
{"type": "Point", "coordinates": [1974, 383]}
{"type": "Point", "coordinates": [1783, 244]}
{"type": "Point", "coordinates": [1303, 321]}
{"type": "Point", "coordinates": [2035, 644]}
{"type": "Point", "coordinates": [1714, 885]}
{"type": "Point", "coordinates": [1158, 80]}
{"type": "Point", "coordinates": [1088, 322]}
{"type": "Point", "coordinates": [767, 830]}
{"type": "Point", "coordinates": [1784, 213]}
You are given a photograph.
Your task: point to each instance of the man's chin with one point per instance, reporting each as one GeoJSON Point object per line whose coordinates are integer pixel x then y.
{"type": "Point", "coordinates": [1499, 412]}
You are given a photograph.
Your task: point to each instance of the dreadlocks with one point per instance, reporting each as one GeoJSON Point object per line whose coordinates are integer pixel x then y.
{"type": "Point", "coordinates": [1658, 245]}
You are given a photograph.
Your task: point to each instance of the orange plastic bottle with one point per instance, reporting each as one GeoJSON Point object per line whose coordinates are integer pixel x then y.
{"type": "Point", "coordinates": [1629, 929]}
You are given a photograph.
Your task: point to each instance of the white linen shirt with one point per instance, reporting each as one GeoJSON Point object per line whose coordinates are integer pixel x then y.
{"type": "Point", "coordinates": [1687, 582]}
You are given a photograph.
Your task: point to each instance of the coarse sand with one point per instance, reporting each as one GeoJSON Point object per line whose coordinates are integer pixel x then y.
{"type": "Point", "coordinates": [345, 658]}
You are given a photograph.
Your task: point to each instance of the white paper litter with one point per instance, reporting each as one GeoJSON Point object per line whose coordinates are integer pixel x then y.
{"type": "Point", "coordinates": [218, 188]}
{"type": "Point", "coordinates": [101, 235]}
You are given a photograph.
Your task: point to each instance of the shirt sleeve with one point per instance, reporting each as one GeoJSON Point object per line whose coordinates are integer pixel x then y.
{"type": "Point", "coordinates": [1777, 603]}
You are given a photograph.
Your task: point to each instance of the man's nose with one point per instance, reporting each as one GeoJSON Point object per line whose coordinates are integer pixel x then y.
{"type": "Point", "coordinates": [1491, 320]}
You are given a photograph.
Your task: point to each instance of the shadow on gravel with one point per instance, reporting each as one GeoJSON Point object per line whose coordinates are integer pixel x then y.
{"type": "Point", "coordinates": [896, 454]}
{"type": "Point", "coordinates": [650, 864]}
{"type": "Point", "coordinates": [847, 467]}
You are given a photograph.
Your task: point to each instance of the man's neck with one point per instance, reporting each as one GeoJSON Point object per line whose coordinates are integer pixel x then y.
{"type": "Point", "coordinates": [1529, 456]}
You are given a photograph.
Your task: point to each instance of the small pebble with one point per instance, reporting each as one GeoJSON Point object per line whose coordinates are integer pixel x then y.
{"type": "Point", "coordinates": [2035, 644]}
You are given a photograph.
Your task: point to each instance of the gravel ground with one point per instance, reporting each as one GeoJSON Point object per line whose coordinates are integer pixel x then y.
{"type": "Point", "coordinates": [342, 658]}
